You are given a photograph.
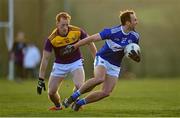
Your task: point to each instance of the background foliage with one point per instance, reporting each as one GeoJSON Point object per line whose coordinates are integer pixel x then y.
{"type": "Point", "coordinates": [158, 26]}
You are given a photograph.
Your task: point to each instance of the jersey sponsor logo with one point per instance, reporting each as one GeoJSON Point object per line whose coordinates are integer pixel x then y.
{"type": "Point", "coordinates": [126, 41]}
{"type": "Point", "coordinates": [123, 40]}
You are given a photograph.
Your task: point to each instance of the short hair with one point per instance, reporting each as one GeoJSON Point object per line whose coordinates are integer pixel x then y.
{"type": "Point", "coordinates": [64, 15]}
{"type": "Point", "coordinates": [125, 16]}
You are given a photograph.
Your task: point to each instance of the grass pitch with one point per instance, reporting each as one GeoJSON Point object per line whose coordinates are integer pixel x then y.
{"type": "Point", "coordinates": [138, 97]}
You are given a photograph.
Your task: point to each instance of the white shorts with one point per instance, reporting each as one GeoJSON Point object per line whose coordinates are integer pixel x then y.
{"type": "Point", "coordinates": [112, 70]}
{"type": "Point", "coordinates": [61, 70]}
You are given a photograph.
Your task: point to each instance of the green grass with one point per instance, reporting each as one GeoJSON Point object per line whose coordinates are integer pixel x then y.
{"type": "Point", "coordinates": [138, 97]}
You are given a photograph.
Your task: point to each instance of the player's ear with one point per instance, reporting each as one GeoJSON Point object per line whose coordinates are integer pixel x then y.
{"type": "Point", "coordinates": [128, 23]}
{"type": "Point", "coordinates": [57, 23]}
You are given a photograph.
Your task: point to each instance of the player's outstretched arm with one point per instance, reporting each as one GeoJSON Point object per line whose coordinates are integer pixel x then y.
{"type": "Point", "coordinates": [44, 62]}
{"type": "Point", "coordinates": [42, 70]}
{"type": "Point", "coordinates": [87, 40]}
{"type": "Point", "coordinates": [93, 49]}
{"type": "Point", "coordinates": [71, 48]}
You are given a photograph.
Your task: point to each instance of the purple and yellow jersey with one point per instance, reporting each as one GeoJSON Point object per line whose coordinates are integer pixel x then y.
{"type": "Point", "coordinates": [58, 43]}
{"type": "Point", "coordinates": [116, 40]}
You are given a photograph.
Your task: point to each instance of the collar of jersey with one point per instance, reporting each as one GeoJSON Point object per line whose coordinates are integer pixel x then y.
{"type": "Point", "coordinates": [123, 31]}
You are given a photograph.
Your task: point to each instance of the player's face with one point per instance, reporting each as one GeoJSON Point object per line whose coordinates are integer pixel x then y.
{"type": "Point", "coordinates": [133, 22]}
{"type": "Point", "coordinates": [63, 26]}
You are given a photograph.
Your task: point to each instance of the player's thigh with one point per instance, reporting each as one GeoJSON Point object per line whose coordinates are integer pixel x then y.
{"type": "Point", "coordinates": [100, 72]}
{"type": "Point", "coordinates": [54, 84]}
{"type": "Point", "coordinates": [100, 68]}
{"type": "Point", "coordinates": [109, 84]}
{"type": "Point", "coordinates": [78, 76]}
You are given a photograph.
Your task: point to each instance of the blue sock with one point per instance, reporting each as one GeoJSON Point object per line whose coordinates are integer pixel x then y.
{"type": "Point", "coordinates": [81, 102]}
{"type": "Point", "coordinates": [76, 94]}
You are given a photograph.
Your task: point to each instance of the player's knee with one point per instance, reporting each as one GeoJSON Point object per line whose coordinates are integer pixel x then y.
{"type": "Point", "coordinates": [100, 80]}
{"type": "Point", "coordinates": [51, 93]}
{"type": "Point", "coordinates": [77, 86]}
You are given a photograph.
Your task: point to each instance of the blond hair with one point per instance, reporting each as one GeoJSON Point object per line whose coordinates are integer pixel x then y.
{"type": "Point", "coordinates": [64, 15]}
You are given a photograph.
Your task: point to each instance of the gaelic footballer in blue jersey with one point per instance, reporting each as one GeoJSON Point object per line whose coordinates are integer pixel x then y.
{"type": "Point", "coordinates": [108, 59]}
{"type": "Point", "coordinates": [63, 35]}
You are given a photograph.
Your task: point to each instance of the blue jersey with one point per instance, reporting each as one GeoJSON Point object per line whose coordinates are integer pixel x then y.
{"type": "Point", "coordinates": [116, 40]}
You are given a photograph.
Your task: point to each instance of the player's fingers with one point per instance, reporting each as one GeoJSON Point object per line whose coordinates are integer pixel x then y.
{"type": "Point", "coordinates": [133, 52]}
{"type": "Point", "coordinates": [44, 87]}
{"type": "Point", "coordinates": [130, 55]}
{"type": "Point", "coordinates": [39, 90]}
{"type": "Point", "coordinates": [138, 59]}
{"type": "Point", "coordinates": [138, 52]}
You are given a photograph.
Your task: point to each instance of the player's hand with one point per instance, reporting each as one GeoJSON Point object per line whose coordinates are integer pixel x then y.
{"type": "Point", "coordinates": [68, 49]}
{"type": "Point", "coordinates": [40, 86]}
{"type": "Point", "coordinates": [135, 56]}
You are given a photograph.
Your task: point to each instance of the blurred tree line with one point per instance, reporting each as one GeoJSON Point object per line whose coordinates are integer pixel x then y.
{"type": "Point", "coordinates": [159, 28]}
